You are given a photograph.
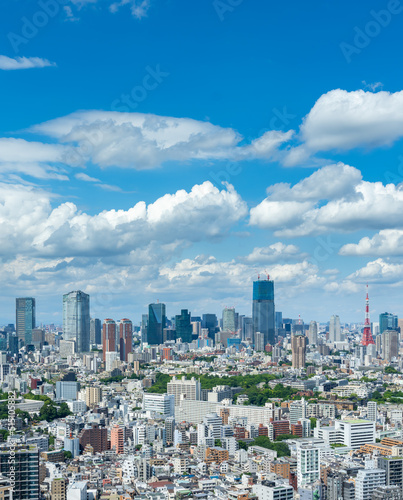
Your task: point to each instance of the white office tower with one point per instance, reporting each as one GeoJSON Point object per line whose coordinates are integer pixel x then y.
{"type": "Point", "coordinates": [372, 411]}
{"type": "Point", "coordinates": [163, 404]}
{"type": "Point", "coordinates": [308, 464]}
{"type": "Point", "coordinates": [213, 423]}
{"type": "Point", "coordinates": [334, 329]}
{"type": "Point", "coordinates": [110, 359]}
{"type": "Point", "coordinates": [278, 492]}
{"type": "Point", "coordinates": [313, 333]}
{"type": "Point", "coordinates": [297, 411]}
{"type": "Point", "coordinates": [368, 480]}
{"type": "Point", "coordinates": [184, 389]}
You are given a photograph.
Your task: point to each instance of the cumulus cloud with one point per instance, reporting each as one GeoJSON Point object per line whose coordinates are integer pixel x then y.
{"type": "Point", "coordinates": [379, 271]}
{"type": "Point", "coordinates": [142, 141]}
{"type": "Point", "coordinates": [8, 63]}
{"type": "Point", "coordinates": [30, 224]}
{"type": "Point", "coordinates": [332, 199]}
{"type": "Point", "coordinates": [342, 120]}
{"type": "Point", "coordinates": [273, 253]}
{"type": "Point", "coordinates": [387, 242]}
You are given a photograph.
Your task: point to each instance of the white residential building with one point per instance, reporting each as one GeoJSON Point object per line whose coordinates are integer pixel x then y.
{"type": "Point", "coordinates": [367, 480]}
{"type": "Point", "coordinates": [184, 389]}
{"type": "Point", "coordinates": [164, 404]}
{"type": "Point", "coordinates": [308, 464]}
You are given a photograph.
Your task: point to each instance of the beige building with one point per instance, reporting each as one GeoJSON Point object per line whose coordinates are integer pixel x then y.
{"type": "Point", "coordinates": [298, 348]}
{"type": "Point", "coordinates": [93, 396]}
{"type": "Point", "coordinates": [58, 489]}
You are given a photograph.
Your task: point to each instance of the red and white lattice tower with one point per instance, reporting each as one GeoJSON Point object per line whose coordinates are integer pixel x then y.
{"type": "Point", "coordinates": [367, 338]}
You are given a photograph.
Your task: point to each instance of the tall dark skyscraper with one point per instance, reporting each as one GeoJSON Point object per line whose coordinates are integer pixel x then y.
{"type": "Point", "coordinates": [183, 326]}
{"type": "Point", "coordinates": [25, 319]}
{"type": "Point", "coordinates": [263, 315]}
{"type": "Point", "coordinates": [156, 323]}
{"type": "Point", "coordinates": [95, 331]}
{"type": "Point", "coordinates": [76, 319]}
{"type": "Point", "coordinates": [209, 321]}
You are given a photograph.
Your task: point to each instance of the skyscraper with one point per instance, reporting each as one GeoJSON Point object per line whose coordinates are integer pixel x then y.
{"type": "Point", "coordinates": [108, 337]}
{"type": "Point", "coordinates": [387, 321]}
{"type": "Point", "coordinates": [183, 326]}
{"type": "Point", "coordinates": [125, 338]}
{"type": "Point", "coordinates": [25, 319]}
{"type": "Point", "coordinates": [263, 315]}
{"type": "Point", "coordinates": [228, 319]}
{"type": "Point", "coordinates": [76, 319]}
{"type": "Point", "coordinates": [334, 329]}
{"type": "Point", "coordinates": [156, 323]}
{"type": "Point", "coordinates": [209, 321]}
{"type": "Point", "coordinates": [95, 331]}
{"type": "Point", "coordinates": [298, 347]}
{"type": "Point", "coordinates": [313, 332]}
{"type": "Point", "coordinates": [390, 344]}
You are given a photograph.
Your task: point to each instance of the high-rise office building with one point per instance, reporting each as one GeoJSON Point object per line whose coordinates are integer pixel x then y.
{"type": "Point", "coordinates": [12, 343]}
{"type": "Point", "coordinates": [246, 328]}
{"type": "Point", "coordinates": [390, 344]}
{"type": "Point", "coordinates": [334, 329]}
{"type": "Point", "coordinates": [26, 470]}
{"type": "Point", "coordinates": [163, 404]}
{"type": "Point", "coordinates": [108, 337]}
{"type": "Point", "coordinates": [25, 319]}
{"type": "Point", "coordinates": [229, 319]}
{"type": "Point", "coordinates": [95, 331]}
{"type": "Point", "coordinates": [298, 348]}
{"type": "Point", "coordinates": [263, 314]}
{"type": "Point", "coordinates": [156, 323]}
{"type": "Point", "coordinates": [313, 333]}
{"type": "Point", "coordinates": [125, 338]}
{"type": "Point", "coordinates": [76, 319]}
{"type": "Point", "coordinates": [209, 321]}
{"type": "Point", "coordinates": [183, 326]}
{"type": "Point", "coordinates": [387, 321]}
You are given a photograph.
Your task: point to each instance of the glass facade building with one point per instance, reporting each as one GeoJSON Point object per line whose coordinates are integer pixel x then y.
{"type": "Point", "coordinates": [183, 326]}
{"type": "Point", "coordinates": [263, 314]}
{"type": "Point", "coordinates": [156, 323]}
{"type": "Point", "coordinates": [25, 319]}
{"type": "Point", "coordinates": [76, 319]}
{"type": "Point", "coordinates": [387, 321]}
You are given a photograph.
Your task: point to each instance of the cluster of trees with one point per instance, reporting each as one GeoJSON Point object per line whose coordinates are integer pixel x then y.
{"type": "Point", "coordinates": [390, 370]}
{"type": "Point", "coordinates": [118, 378]}
{"type": "Point", "coordinates": [387, 397]}
{"type": "Point", "coordinates": [50, 411]}
{"type": "Point", "coordinates": [282, 448]}
{"type": "Point", "coordinates": [248, 383]}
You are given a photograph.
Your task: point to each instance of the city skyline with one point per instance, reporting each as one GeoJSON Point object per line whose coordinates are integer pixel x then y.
{"type": "Point", "coordinates": [179, 175]}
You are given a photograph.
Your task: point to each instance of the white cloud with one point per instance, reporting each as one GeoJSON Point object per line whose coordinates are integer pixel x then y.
{"type": "Point", "coordinates": [332, 199]}
{"type": "Point", "coordinates": [31, 225]}
{"type": "Point", "coordinates": [342, 120]}
{"type": "Point", "coordinates": [379, 271]}
{"type": "Point", "coordinates": [8, 63]}
{"type": "Point", "coordinates": [86, 178]}
{"type": "Point", "coordinates": [141, 141]}
{"type": "Point", "coordinates": [273, 253]}
{"type": "Point", "coordinates": [138, 8]}
{"type": "Point", "coordinates": [387, 242]}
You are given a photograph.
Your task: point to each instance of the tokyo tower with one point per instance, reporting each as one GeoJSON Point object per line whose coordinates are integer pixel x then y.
{"type": "Point", "coordinates": [367, 338]}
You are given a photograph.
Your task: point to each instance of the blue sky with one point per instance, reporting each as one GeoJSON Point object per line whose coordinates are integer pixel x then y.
{"type": "Point", "coordinates": [151, 104]}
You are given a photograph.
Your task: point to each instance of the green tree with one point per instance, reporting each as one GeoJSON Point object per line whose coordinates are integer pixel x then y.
{"type": "Point", "coordinates": [218, 442]}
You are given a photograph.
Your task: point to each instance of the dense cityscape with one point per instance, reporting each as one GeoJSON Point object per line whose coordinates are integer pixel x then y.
{"type": "Point", "coordinates": [245, 408]}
